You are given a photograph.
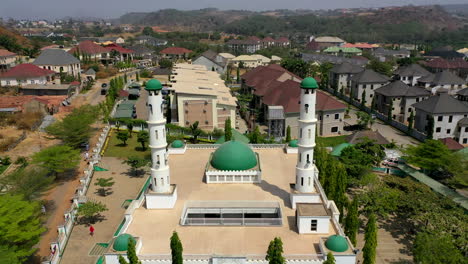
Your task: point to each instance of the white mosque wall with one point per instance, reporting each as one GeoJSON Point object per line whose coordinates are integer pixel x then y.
{"type": "Point", "coordinates": [161, 200]}
{"type": "Point", "coordinates": [113, 258]}
{"type": "Point", "coordinates": [304, 198]}
{"type": "Point", "coordinates": [304, 224]}
{"type": "Point", "coordinates": [233, 176]}
{"type": "Point", "coordinates": [177, 151]}
{"type": "Point", "coordinates": [290, 150]}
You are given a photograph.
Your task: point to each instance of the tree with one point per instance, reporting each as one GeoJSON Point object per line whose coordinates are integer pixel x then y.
{"type": "Point", "coordinates": [147, 31]}
{"type": "Point", "coordinates": [104, 183]}
{"type": "Point", "coordinates": [363, 98]}
{"type": "Point", "coordinates": [288, 134]}
{"type": "Point", "coordinates": [135, 163]}
{"type": "Point", "coordinates": [75, 129]}
{"type": "Point", "coordinates": [123, 136]}
{"type": "Point", "coordinates": [435, 249]}
{"type": "Point", "coordinates": [29, 182]}
{"type": "Point", "coordinates": [411, 121]}
{"type": "Point", "coordinates": [131, 254]}
{"type": "Point", "coordinates": [168, 111]}
{"type": "Point", "coordinates": [238, 75]}
{"type": "Point", "coordinates": [351, 224]}
{"type": "Point", "coordinates": [430, 128]}
{"type": "Point", "coordinates": [90, 211]}
{"type": "Point", "coordinates": [125, 78]}
{"type": "Point", "coordinates": [296, 66]}
{"type": "Point", "coordinates": [129, 124]}
{"type": "Point", "coordinates": [255, 136]}
{"type": "Point", "coordinates": [143, 138]}
{"type": "Point", "coordinates": [57, 159]}
{"type": "Point", "coordinates": [372, 107]}
{"type": "Point", "coordinates": [390, 109]}
{"type": "Point", "coordinates": [195, 131]}
{"type": "Point", "coordinates": [176, 249]}
{"type": "Point", "coordinates": [384, 68]}
{"type": "Point", "coordinates": [20, 227]}
{"type": "Point", "coordinates": [330, 259]}
{"type": "Point", "coordinates": [370, 236]}
{"type": "Point", "coordinates": [165, 63]}
{"type": "Point", "coordinates": [275, 252]}
{"type": "Point", "coordinates": [227, 130]}
{"type": "Point", "coordinates": [363, 119]}
{"type": "Point", "coordinates": [137, 77]}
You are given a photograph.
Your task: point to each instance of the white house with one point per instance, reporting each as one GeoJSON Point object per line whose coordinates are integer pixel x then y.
{"type": "Point", "coordinates": [367, 80]}
{"type": "Point", "coordinates": [411, 74]}
{"type": "Point", "coordinates": [445, 80]}
{"type": "Point", "coordinates": [27, 74]}
{"type": "Point", "coordinates": [59, 61]}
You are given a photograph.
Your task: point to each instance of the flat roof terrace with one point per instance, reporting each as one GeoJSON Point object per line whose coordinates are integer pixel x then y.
{"type": "Point", "coordinates": [155, 227]}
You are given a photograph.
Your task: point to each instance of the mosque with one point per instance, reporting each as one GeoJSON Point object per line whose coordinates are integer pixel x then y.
{"type": "Point", "coordinates": [228, 201]}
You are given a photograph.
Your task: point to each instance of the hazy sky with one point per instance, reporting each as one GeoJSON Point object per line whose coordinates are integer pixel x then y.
{"type": "Point", "coordinates": [115, 8]}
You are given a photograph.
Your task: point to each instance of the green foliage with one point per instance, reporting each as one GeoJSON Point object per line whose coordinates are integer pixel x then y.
{"type": "Point", "coordinates": [363, 99]}
{"type": "Point", "coordinates": [288, 134]}
{"type": "Point", "coordinates": [370, 236]}
{"type": "Point", "coordinates": [146, 74]}
{"type": "Point", "coordinates": [380, 200]}
{"type": "Point", "coordinates": [10, 43]}
{"type": "Point", "coordinates": [165, 63]}
{"type": "Point", "coordinates": [275, 252]}
{"type": "Point", "coordinates": [296, 66]}
{"type": "Point", "coordinates": [359, 159]}
{"type": "Point", "coordinates": [430, 128]}
{"type": "Point", "coordinates": [351, 224]}
{"type": "Point", "coordinates": [123, 136]}
{"type": "Point", "coordinates": [75, 129]}
{"type": "Point", "coordinates": [131, 254]}
{"type": "Point", "coordinates": [195, 131]}
{"type": "Point", "coordinates": [436, 249]}
{"type": "Point", "coordinates": [147, 31]}
{"type": "Point", "coordinates": [411, 121]}
{"type": "Point", "coordinates": [137, 77]}
{"type": "Point", "coordinates": [385, 68]}
{"type": "Point", "coordinates": [255, 136]}
{"type": "Point", "coordinates": [363, 119]}
{"type": "Point", "coordinates": [90, 210]}
{"type": "Point", "coordinates": [30, 182]}
{"type": "Point", "coordinates": [390, 109]}
{"type": "Point", "coordinates": [103, 183]}
{"type": "Point", "coordinates": [125, 65]}
{"type": "Point", "coordinates": [143, 138]}
{"type": "Point", "coordinates": [176, 249]}
{"type": "Point", "coordinates": [20, 228]}
{"type": "Point", "coordinates": [330, 259]}
{"type": "Point", "coordinates": [135, 163]}
{"type": "Point", "coordinates": [227, 130]}
{"type": "Point", "coordinates": [57, 159]}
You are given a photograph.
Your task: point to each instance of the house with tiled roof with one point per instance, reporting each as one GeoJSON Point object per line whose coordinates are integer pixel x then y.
{"type": "Point", "coordinates": [400, 97]}
{"type": "Point", "coordinates": [446, 52]}
{"type": "Point", "coordinates": [212, 61]}
{"type": "Point", "coordinates": [175, 53]}
{"type": "Point", "coordinates": [449, 114]}
{"type": "Point", "coordinates": [149, 40]}
{"type": "Point", "coordinates": [277, 92]}
{"type": "Point", "coordinates": [462, 95]}
{"type": "Point", "coordinates": [368, 81]}
{"type": "Point", "coordinates": [442, 80]}
{"type": "Point", "coordinates": [7, 59]}
{"type": "Point", "coordinates": [342, 51]}
{"type": "Point", "coordinates": [326, 58]}
{"type": "Point", "coordinates": [59, 61]}
{"type": "Point", "coordinates": [410, 74]}
{"type": "Point", "coordinates": [244, 45]}
{"type": "Point", "coordinates": [27, 73]}
{"type": "Point", "coordinates": [328, 41]}
{"type": "Point", "coordinates": [91, 51]}
{"type": "Point", "coordinates": [341, 74]}
{"type": "Point", "coordinates": [458, 66]}
{"type": "Point", "coordinates": [383, 54]}
{"type": "Point", "coordinates": [120, 53]}
{"type": "Point", "coordinates": [361, 46]}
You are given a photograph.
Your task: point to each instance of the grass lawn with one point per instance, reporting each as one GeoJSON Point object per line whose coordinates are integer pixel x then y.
{"type": "Point", "coordinates": [115, 148]}
{"type": "Point", "coordinates": [3, 168]}
{"type": "Point", "coordinates": [331, 141]}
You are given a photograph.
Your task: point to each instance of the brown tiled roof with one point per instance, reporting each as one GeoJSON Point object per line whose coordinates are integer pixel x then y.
{"type": "Point", "coordinates": [451, 143]}
{"type": "Point", "coordinates": [375, 136]}
{"type": "Point", "coordinates": [26, 70]}
{"type": "Point", "coordinates": [175, 50]}
{"type": "Point", "coordinates": [88, 47]}
{"type": "Point", "coordinates": [282, 40]}
{"type": "Point", "coordinates": [440, 63]}
{"type": "Point", "coordinates": [6, 53]}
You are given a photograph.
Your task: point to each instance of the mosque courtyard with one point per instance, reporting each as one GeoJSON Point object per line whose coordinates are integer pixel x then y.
{"type": "Point", "coordinates": [154, 227]}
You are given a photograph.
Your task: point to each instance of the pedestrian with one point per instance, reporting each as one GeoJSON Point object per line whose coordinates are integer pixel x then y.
{"type": "Point", "coordinates": [43, 209]}
{"type": "Point", "coordinates": [86, 155]}
{"type": "Point", "coordinates": [91, 230]}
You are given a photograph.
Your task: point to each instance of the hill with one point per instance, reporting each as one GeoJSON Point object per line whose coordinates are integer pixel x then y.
{"type": "Point", "coordinates": [457, 9]}
{"type": "Point", "coordinates": [12, 41]}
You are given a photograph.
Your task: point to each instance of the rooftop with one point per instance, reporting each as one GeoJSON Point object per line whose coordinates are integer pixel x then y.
{"type": "Point", "coordinates": [26, 70]}
{"type": "Point", "coordinates": [55, 57]}
{"type": "Point", "coordinates": [6, 53]}
{"type": "Point", "coordinates": [412, 70]}
{"type": "Point", "coordinates": [88, 47]}
{"type": "Point", "coordinates": [359, 136]}
{"type": "Point", "coordinates": [399, 88]}
{"type": "Point", "coordinates": [370, 76]}
{"type": "Point", "coordinates": [329, 39]}
{"type": "Point", "coordinates": [187, 172]}
{"type": "Point", "coordinates": [442, 78]}
{"type": "Point", "coordinates": [442, 103]}
{"type": "Point", "coordinates": [317, 209]}
{"type": "Point", "coordinates": [175, 50]}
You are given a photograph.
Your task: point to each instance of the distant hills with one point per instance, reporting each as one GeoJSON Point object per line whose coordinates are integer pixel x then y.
{"type": "Point", "coordinates": [458, 9]}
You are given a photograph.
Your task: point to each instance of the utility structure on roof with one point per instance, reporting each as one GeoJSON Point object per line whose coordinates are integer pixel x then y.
{"type": "Point", "coordinates": [163, 195]}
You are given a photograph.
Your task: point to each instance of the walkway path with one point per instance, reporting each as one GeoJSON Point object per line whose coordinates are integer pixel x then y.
{"type": "Point", "coordinates": [435, 185]}
{"type": "Point", "coordinates": [126, 187]}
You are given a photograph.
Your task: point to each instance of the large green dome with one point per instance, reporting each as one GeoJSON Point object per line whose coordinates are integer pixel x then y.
{"type": "Point", "coordinates": [121, 242]}
{"type": "Point", "coordinates": [153, 85]}
{"type": "Point", "coordinates": [309, 83]}
{"type": "Point", "coordinates": [234, 155]}
{"type": "Point", "coordinates": [337, 243]}
{"type": "Point", "coordinates": [177, 144]}
{"type": "Point", "coordinates": [293, 143]}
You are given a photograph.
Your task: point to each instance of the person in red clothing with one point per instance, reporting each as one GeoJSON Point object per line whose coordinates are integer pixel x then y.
{"type": "Point", "coordinates": [91, 230]}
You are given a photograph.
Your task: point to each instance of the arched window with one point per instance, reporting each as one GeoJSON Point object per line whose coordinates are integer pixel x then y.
{"type": "Point", "coordinates": [157, 134]}
{"type": "Point", "coordinates": [300, 133]}
{"type": "Point", "coordinates": [309, 133]}
{"type": "Point", "coordinates": [307, 108]}
{"type": "Point", "coordinates": [162, 181]}
{"type": "Point", "coordinates": [302, 181]}
{"type": "Point", "coordinates": [151, 108]}
{"type": "Point", "coordinates": [309, 181]}
{"type": "Point", "coordinates": [308, 159]}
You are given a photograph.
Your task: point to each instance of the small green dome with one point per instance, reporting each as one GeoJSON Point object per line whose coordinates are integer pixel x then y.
{"type": "Point", "coordinates": [293, 143]}
{"type": "Point", "coordinates": [177, 144]}
{"type": "Point", "coordinates": [337, 243]}
{"type": "Point", "coordinates": [121, 242]}
{"type": "Point", "coordinates": [153, 85]}
{"type": "Point", "coordinates": [309, 83]}
{"type": "Point", "coordinates": [234, 155]}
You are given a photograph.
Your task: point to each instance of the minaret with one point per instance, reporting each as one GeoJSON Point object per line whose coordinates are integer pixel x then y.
{"type": "Point", "coordinates": [305, 169]}
{"type": "Point", "coordinates": [161, 181]}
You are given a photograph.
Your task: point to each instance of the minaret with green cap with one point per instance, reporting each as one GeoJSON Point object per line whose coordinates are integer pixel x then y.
{"type": "Point", "coordinates": [305, 168]}
{"type": "Point", "coordinates": [161, 182]}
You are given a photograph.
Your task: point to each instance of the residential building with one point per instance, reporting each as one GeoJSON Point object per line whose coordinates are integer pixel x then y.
{"type": "Point", "coordinates": [246, 60]}
{"type": "Point", "coordinates": [175, 53]}
{"type": "Point", "coordinates": [151, 41]}
{"type": "Point", "coordinates": [342, 51]}
{"type": "Point", "coordinates": [400, 97]}
{"type": "Point", "coordinates": [277, 92]}
{"type": "Point", "coordinates": [445, 80]}
{"type": "Point", "coordinates": [227, 56]}
{"type": "Point", "coordinates": [383, 54]}
{"type": "Point", "coordinates": [48, 89]}
{"type": "Point", "coordinates": [109, 40]}
{"type": "Point", "coordinates": [458, 66]}
{"type": "Point", "coordinates": [411, 74]}
{"type": "Point", "coordinates": [449, 115]}
{"type": "Point", "coordinates": [462, 95]}
{"type": "Point", "coordinates": [341, 74]}
{"type": "Point", "coordinates": [7, 59]}
{"type": "Point", "coordinates": [325, 58]}
{"type": "Point", "coordinates": [240, 46]}
{"type": "Point", "coordinates": [313, 46]}
{"type": "Point", "coordinates": [368, 81]}
{"type": "Point", "coordinates": [375, 136]}
{"type": "Point", "coordinates": [463, 51]}
{"type": "Point", "coordinates": [120, 53]}
{"type": "Point", "coordinates": [361, 46]}
{"type": "Point", "coordinates": [327, 41]}
{"type": "Point", "coordinates": [212, 61]}
{"type": "Point", "coordinates": [141, 51]}
{"type": "Point", "coordinates": [58, 61]}
{"type": "Point", "coordinates": [200, 95]}
{"type": "Point", "coordinates": [88, 50]}
{"type": "Point", "coordinates": [446, 52]}
{"type": "Point", "coordinates": [26, 73]}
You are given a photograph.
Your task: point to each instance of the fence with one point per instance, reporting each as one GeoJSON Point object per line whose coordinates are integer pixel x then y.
{"type": "Point", "coordinates": [402, 127]}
